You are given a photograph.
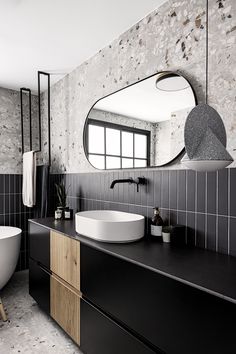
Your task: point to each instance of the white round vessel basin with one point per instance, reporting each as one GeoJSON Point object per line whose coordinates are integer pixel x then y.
{"type": "Point", "coordinates": [110, 225]}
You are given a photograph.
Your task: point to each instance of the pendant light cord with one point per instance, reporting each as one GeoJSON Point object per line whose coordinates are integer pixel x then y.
{"type": "Point", "coordinates": [207, 49]}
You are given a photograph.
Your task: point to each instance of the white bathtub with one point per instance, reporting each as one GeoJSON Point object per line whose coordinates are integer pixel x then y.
{"type": "Point", "coordinates": [10, 238]}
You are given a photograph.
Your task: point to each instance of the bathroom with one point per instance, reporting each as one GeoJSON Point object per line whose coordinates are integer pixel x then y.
{"type": "Point", "coordinates": [62, 290]}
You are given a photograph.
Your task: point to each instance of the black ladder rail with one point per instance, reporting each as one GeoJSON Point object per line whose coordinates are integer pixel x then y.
{"type": "Point", "coordinates": [22, 89]}
{"type": "Point", "coordinates": [39, 109]}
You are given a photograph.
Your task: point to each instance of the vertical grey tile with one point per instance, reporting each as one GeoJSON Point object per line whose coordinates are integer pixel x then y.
{"type": "Point", "coordinates": [150, 188]}
{"type": "Point", "coordinates": [211, 232]}
{"type": "Point", "coordinates": [143, 189]}
{"type": "Point", "coordinates": [109, 179]}
{"type": "Point", "coordinates": [173, 189]}
{"type": "Point", "coordinates": [173, 217]}
{"type": "Point", "coordinates": [140, 197]}
{"type": "Point", "coordinates": [201, 191]}
{"type": "Point", "coordinates": [126, 188]}
{"type": "Point", "coordinates": [131, 190]}
{"type": "Point", "coordinates": [165, 214]}
{"type": "Point", "coordinates": [233, 236]}
{"type": "Point", "coordinates": [165, 189]}
{"type": "Point", "coordinates": [200, 230]}
{"type": "Point", "coordinates": [157, 188]}
{"type": "Point", "coordinates": [2, 184]}
{"type": "Point", "coordinates": [191, 187]}
{"type": "Point", "coordinates": [181, 189]}
{"type": "Point", "coordinates": [222, 234]}
{"type": "Point", "coordinates": [103, 186]}
{"type": "Point", "coordinates": [1, 204]}
{"type": "Point", "coordinates": [116, 187]}
{"type": "Point", "coordinates": [223, 192]}
{"type": "Point", "coordinates": [11, 184]}
{"type": "Point", "coordinates": [191, 229]}
{"type": "Point", "coordinates": [233, 191]}
{"type": "Point", "coordinates": [1, 219]}
{"type": "Point", "coordinates": [211, 192]}
{"type": "Point", "coordinates": [6, 183]}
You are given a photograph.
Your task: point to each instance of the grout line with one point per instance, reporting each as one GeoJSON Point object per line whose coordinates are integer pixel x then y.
{"type": "Point", "coordinates": [217, 208]}
{"type": "Point", "coordinates": [195, 221]}
{"type": "Point", "coordinates": [149, 206]}
{"type": "Point", "coordinates": [186, 202]}
{"type": "Point", "coordinates": [177, 197]}
{"type": "Point", "coordinates": [169, 197]}
{"type": "Point", "coordinates": [205, 244]}
{"type": "Point", "coordinates": [229, 189]}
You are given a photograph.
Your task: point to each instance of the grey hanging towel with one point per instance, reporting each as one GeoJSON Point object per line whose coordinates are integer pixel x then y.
{"type": "Point", "coordinates": [42, 188]}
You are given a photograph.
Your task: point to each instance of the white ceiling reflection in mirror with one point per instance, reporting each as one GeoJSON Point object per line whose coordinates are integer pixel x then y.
{"type": "Point", "coordinates": [141, 125]}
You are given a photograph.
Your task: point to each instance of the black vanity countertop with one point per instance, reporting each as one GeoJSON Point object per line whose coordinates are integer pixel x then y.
{"type": "Point", "coordinates": [209, 271]}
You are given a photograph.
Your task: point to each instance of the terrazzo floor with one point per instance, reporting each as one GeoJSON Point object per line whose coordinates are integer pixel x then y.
{"type": "Point", "coordinates": [28, 330]}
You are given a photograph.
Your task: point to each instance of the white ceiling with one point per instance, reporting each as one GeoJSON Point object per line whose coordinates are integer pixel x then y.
{"type": "Point", "coordinates": [58, 35]}
{"type": "Point", "coordinates": [144, 101]}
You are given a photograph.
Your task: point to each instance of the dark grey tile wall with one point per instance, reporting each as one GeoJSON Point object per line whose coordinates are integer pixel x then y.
{"type": "Point", "coordinates": [14, 213]}
{"type": "Point", "coordinates": [204, 202]}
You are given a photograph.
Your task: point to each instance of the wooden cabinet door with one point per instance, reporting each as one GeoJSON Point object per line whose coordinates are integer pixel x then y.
{"type": "Point", "coordinates": [65, 258]}
{"type": "Point", "coordinates": [65, 308]}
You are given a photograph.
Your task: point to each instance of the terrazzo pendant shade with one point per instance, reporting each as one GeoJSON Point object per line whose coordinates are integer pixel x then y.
{"type": "Point", "coordinates": [205, 140]}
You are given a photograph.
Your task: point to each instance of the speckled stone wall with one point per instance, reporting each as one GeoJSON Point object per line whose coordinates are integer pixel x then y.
{"type": "Point", "coordinates": [10, 130]}
{"type": "Point", "coordinates": [170, 38]}
{"type": "Point", "coordinates": [12, 211]}
{"type": "Point", "coordinates": [222, 65]}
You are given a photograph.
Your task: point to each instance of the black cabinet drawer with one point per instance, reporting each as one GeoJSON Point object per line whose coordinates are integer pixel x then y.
{"type": "Point", "coordinates": [173, 316]}
{"type": "Point", "coordinates": [39, 244]}
{"type": "Point", "coordinates": [101, 335]}
{"type": "Point", "coordinates": [39, 285]}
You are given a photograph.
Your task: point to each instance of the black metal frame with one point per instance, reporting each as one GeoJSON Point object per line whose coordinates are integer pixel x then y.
{"type": "Point", "coordinates": [39, 116]}
{"type": "Point", "coordinates": [22, 117]}
{"type": "Point", "coordinates": [39, 105]}
{"type": "Point", "coordinates": [178, 72]}
{"type": "Point", "coordinates": [121, 128]}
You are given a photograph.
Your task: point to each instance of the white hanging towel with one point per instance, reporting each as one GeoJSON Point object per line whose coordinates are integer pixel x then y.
{"type": "Point", "coordinates": [29, 179]}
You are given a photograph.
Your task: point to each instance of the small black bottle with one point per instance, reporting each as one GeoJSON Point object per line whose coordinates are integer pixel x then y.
{"type": "Point", "coordinates": [156, 225]}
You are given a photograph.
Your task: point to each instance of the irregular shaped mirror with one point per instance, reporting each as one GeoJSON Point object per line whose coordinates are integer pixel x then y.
{"type": "Point", "coordinates": [141, 125]}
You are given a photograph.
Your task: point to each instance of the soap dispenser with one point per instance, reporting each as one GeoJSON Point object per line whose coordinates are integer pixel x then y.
{"type": "Point", "coordinates": [156, 225]}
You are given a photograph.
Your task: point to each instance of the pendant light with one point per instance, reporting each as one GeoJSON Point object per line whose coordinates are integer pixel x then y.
{"type": "Point", "coordinates": [204, 132]}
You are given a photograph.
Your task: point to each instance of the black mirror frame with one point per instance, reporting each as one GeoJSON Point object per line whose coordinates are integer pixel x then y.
{"type": "Point", "coordinates": [123, 88]}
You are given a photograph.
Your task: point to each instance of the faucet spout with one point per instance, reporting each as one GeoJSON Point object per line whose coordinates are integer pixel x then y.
{"type": "Point", "coordinates": [138, 181]}
{"type": "Point", "coordinates": [126, 180]}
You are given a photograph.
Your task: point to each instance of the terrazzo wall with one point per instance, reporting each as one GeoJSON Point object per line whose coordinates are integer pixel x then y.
{"type": "Point", "coordinates": [170, 38]}
{"type": "Point", "coordinates": [10, 129]}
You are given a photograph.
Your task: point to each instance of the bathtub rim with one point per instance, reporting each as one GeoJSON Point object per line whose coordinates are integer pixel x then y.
{"type": "Point", "coordinates": [11, 231]}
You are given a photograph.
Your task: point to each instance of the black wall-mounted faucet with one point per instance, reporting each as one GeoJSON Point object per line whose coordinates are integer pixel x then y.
{"type": "Point", "coordinates": [138, 181]}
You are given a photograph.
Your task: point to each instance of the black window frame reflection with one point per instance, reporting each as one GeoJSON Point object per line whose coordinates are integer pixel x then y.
{"type": "Point", "coordinates": [121, 128]}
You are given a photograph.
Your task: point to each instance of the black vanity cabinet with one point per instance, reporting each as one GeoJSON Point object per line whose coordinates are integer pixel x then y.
{"type": "Point", "coordinates": [39, 285]}
{"type": "Point", "coordinates": [39, 265]}
{"type": "Point", "coordinates": [109, 304]}
{"type": "Point", "coordinates": [54, 283]}
{"type": "Point", "coordinates": [101, 335]}
{"type": "Point", "coordinates": [39, 244]}
{"type": "Point", "coordinates": [174, 317]}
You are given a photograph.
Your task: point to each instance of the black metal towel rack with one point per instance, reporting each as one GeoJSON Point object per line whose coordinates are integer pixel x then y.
{"type": "Point", "coordinates": [27, 90]}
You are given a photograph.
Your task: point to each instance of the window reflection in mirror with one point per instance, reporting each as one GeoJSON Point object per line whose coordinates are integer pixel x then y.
{"type": "Point", "coordinates": [141, 125]}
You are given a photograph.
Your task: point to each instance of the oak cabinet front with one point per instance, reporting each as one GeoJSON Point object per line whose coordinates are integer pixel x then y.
{"type": "Point", "coordinates": [65, 258]}
{"type": "Point", "coordinates": [65, 308]}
